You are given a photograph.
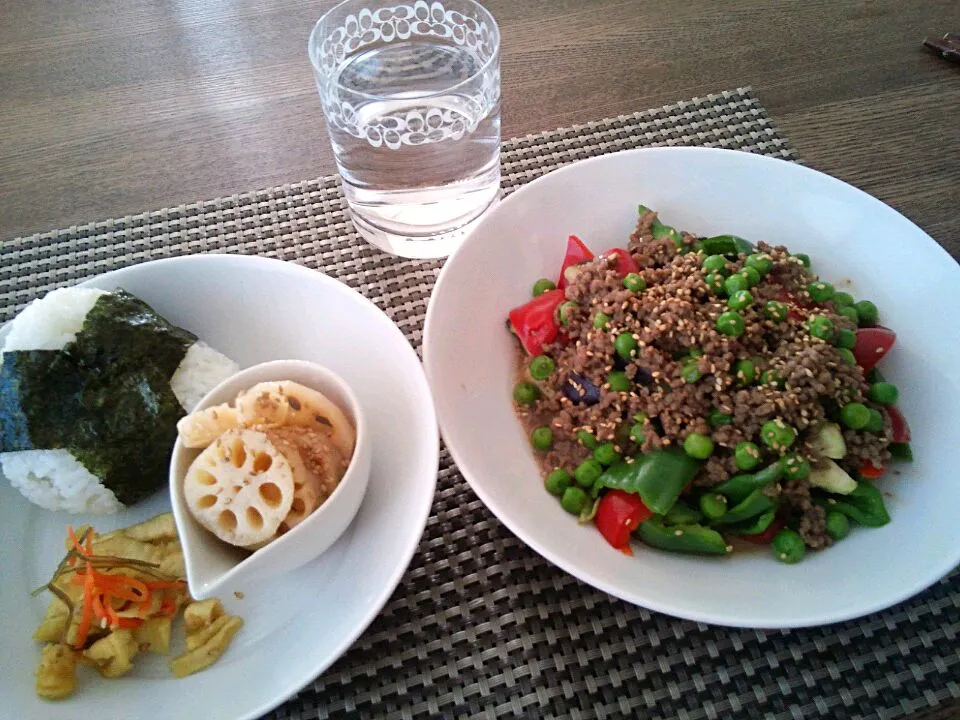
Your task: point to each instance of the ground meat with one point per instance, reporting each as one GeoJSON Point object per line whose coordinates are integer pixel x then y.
{"type": "Point", "coordinates": [812, 518]}
{"type": "Point", "coordinates": [673, 325]}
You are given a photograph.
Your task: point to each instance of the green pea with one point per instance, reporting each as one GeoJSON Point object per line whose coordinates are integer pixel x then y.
{"type": "Point", "coordinates": [618, 382]}
{"type": "Point", "coordinates": [606, 454]}
{"type": "Point", "coordinates": [731, 323]}
{"type": "Point", "coordinates": [868, 313]}
{"type": "Point", "coordinates": [855, 415]}
{"type": "Point", "coordinates": [587, 472]}
{"type": "Point", "coordinates": [557, 482]}
{"type": "Point", "coordinates": [796, 467]}
{"type": "Point", "coordinates": [772, 377]}
{"type": "Point", "coordinates": [718, 418]}
{"type": "Point", "coordinates": [736, 283]}
{"type": "Point", "coordinates": [842, 299]}
{"type": "Point", "coordinates": [543, 285]}
{"type": "Point", "coordinates": [820, 291]}
{"type": "Point", "coordinates": [838, 525]}
{"type": "Point", "coordinates": [601, 320]}
{"type": "Point", "coordinates": [625, 345]}
{"type": "Point", "coordinates": [689, 372]}
{"type": "Point", "coordinates": [884, 393]}
{"type": "Point", "coordinates": [746, 456]}
{"type": "Point", "coordinates": [713, 505]}
{"type": "Point", "coordinates": [714, 281]}
{"type": "Point", "coordinates": [776, 310]}
{"type": "Point", "coordinates": [761, 262]}
{"type": "Point", "coordinates": [848, 357]}
{"type": "Point", "coordinates": [845, 338]}
{"type": "Point", "coordinates": [587, 439]}
{"type": "Point", "coordinates": [715, 264]}
{"type": "Point", "coordinates": [638, 433]}
{"type": "Point", "coordinates": [788, 547]}
{"type": "Point", "coordinates": [803, 258]}
{"type": "Point", "coordinates": [574, 500]}
{"type": "Point", "coordinates": [565, 312]}
{"type": "Point", "coordinates": [745, 371]}
{"type": "Point", "coordinates": [542, 367]}
{"type": "Point", "coordinates": [850, 313]}
{"type": "Point", "coordinates": [875, 424]}
{"type": "Point", "coordinates": [698, 446]}
{"type": "Point", "coordinates": [634, 283]}
{"type": "Point", "coordinates": [740, 300]}
{"type": "Point", "coordinates": [820, 326]}
{"type": "Point", "coordinates": [752, 276]}
{"type": "Point", "coordinates": [542, 438]}
{"type": "Point", "coordinates": [525, 393]}
{"type": "Point", "coordinates": [776, 434]}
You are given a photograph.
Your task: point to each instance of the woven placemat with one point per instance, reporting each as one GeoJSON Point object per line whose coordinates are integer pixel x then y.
{"type": "Point", "coordinates": [480, 624]}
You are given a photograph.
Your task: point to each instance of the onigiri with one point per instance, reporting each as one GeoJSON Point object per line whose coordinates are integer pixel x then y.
{"type": "Point", "coordinates": [92, 384]}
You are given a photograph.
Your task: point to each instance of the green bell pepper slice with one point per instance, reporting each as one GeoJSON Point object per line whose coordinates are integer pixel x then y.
{"type": "Point", "coordinates": [657, 477]}
{"type": "Point", "coordinates": [682, 538]}
{"type": "Point", "coordinates": [864, 505]}
{"type": "Point", "coordinates": [756, 503]}
{"type": "Point", "coordinates": [757, 525]}
{"type": "Point", "coordinates": [724, 245]}
{"type": "Point", "coordinates": [682, 514]}
{"type": "Point", "coordinates": [661, 231]}
{"type": "Point", "coordinates": [740, 486]}
{"type": "Point", "coordinates": [901, 451]}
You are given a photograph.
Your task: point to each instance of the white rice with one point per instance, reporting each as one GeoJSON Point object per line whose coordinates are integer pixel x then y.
{"type": "Point", "coordinates": [201, 370]}
{"type": "Point", "coordinates": [53, 321]}
{"type": "Point", "coordinates": [54, 479]}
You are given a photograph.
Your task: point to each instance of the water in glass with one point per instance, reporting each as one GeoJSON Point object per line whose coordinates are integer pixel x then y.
{"type": "Point", "coordinates": [414, 120]}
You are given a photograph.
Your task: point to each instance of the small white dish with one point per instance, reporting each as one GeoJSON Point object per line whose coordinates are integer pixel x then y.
{"type": "Point", "coordinates": [211, 563]}
{"type": "Point", "coordinates": [853, 240]}
{"type": "Point", "coordinates": [297, 624]}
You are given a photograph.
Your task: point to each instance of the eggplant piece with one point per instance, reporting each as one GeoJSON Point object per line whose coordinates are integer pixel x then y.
{"type": "Point", "coordinates": [581, 389]}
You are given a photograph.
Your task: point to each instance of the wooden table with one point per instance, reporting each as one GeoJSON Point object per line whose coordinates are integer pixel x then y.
{"type": "Point", "coordinates": [113, 107]}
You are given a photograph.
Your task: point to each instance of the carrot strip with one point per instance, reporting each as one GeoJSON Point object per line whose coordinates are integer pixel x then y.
{"type": "Point", "coordinates": [83, 628]}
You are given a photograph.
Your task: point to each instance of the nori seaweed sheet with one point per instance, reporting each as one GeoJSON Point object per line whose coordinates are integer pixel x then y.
{"type": "Point", "coordinates": [105, 397]}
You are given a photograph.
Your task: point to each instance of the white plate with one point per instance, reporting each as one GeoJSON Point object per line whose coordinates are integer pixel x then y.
{"type": "Point", "coordinates": [296, 625]}
{"type": "Point", "coordinates": [850, 236]}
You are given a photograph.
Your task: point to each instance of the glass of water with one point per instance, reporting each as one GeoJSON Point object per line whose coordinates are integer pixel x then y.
{"type": "Point", "coordinates": [411, 95]}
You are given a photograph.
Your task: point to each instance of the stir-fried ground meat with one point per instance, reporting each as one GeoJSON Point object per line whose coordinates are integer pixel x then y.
{"type": "Point", "coordinates": [671, 320]}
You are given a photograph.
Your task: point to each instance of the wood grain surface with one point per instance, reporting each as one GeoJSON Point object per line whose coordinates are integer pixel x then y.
{"type": "Point", "coordinates": [113, 107]}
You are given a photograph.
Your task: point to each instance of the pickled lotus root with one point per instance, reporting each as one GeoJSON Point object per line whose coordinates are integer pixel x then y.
{"type": "Point", "coordinates": [241, 487]}
{"type": "Point", "coordinates": [291, 404]}
{"type": "Point", "coordinates": [202, 427]}
{"type": "Point", "coordinates": [324, 464]}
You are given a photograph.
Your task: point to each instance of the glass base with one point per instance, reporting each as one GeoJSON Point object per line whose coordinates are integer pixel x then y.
{"type": "Point", "coordinates": [421, 247]}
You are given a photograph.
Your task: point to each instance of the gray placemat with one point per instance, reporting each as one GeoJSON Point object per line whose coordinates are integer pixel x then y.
{"type": "Point", "coordinates": [480, 624]}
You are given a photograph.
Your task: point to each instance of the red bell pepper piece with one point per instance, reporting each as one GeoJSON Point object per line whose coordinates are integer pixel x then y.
{"type": "Point", "coordinates": [535, 322]}
{"type": "Point", "coordinates": [765, 537]}
{"type": "Point", "coordinates": [577, 253]}
{"type": "Point", "coordinates": [129, 622]}
{"type": "Point", "coordinates": [872, 472]}
{"type": "Point", "coordinates": [872, 344]}
{"type": "Point", "coordinates": [625, 263]}
{"type": "Point", "coordinates": [899, 426]}
{"type": "Point", "coordinates": [618, 515]}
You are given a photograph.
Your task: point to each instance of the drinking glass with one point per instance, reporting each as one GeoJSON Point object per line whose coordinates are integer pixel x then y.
{"type": "Point", "coordinates": [411, 95]}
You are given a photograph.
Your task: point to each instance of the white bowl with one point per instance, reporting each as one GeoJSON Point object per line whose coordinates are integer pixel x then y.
{"type": "Point", "coordinates": [850, 236]}
{"type": "Point", "coordinates": [213, 564]}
